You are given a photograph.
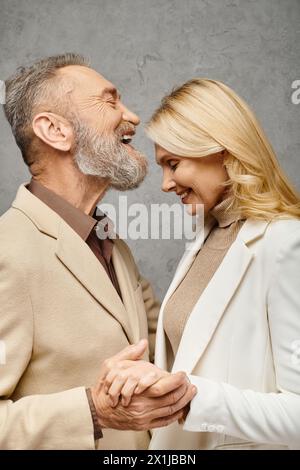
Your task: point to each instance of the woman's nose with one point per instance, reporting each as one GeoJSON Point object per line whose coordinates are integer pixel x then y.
{"type": "Point", "coordinates": [168, 185]}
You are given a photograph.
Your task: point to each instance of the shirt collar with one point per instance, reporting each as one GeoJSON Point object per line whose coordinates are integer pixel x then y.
{"type": "Point", "coordinates": [80, 222]}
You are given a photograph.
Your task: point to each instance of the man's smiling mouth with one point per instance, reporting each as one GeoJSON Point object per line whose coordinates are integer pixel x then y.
{"type": "Point", "coordinates": [127, 135]}
{"type": "Point", "coordinates": [126, 139]}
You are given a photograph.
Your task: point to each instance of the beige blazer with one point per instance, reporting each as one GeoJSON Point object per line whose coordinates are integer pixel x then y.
{"type": "Point", "coordinates": [60, 318]}
{"type": "Point", "coordinates": [241, 346]}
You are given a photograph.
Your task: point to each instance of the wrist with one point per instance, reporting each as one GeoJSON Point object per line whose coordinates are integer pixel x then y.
{"type": "Point", "coordinates": [96, 424]}
{"type": "Point", "coordinates": [99, 413]}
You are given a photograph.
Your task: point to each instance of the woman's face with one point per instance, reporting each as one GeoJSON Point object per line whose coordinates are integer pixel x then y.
{"type": "Point", "coordinates": [195, 180]}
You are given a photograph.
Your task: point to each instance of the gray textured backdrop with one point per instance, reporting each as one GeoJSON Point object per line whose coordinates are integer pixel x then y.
{"type": "Point", "coordinates": [146, 47]}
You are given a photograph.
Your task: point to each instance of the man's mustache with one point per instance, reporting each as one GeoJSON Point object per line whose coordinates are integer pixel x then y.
{"type": "Point", "coordinates": [124, 128]}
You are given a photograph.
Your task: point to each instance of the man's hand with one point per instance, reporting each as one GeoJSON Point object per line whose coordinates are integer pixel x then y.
{"type": "Point", "coordinates": [164, 405]}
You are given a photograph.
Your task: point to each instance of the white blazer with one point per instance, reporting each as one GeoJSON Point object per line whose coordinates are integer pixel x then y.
{"type": "Point", "coordinates": [241, 346]}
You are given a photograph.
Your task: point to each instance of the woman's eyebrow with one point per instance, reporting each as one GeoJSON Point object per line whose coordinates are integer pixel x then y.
{"type": "Point", "coordinates": [161, 159]}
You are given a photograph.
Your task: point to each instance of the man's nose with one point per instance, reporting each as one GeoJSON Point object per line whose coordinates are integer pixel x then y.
{"type": "Point", "coordinates": [129, 116]}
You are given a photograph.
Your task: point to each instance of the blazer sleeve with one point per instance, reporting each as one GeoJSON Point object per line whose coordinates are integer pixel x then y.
{"type": "Point", "coordinates": [271, 418]}
{"type": "Point", "coordinates": [55, 421]}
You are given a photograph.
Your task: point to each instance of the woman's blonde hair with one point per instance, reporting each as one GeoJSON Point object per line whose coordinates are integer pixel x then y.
{"type": "Point", "coordinates": [203, 117]}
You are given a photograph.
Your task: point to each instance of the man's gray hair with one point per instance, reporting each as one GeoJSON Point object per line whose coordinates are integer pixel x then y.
{"type": "Point", "coordinates": [29, 87]}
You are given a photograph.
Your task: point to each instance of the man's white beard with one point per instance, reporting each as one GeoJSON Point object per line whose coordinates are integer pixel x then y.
{"type": "Point", "coordinates": [106, 157]}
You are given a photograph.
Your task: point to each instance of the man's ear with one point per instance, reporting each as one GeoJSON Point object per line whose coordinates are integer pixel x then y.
{"type": "Point", "coordinates": [54, 130]}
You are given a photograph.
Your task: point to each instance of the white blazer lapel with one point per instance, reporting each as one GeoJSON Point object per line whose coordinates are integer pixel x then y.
{"type": "Point", "coordinates": [212, 303]}
{"type": "Point", "coordinates": [182, 268]}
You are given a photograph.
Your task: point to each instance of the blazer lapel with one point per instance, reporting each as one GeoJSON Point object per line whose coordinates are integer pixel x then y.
{"type": "Point", "coordinates": [183, 267]}
{"type": "Point", "coordinates": [129, 302]}
{"type": "Point", "coordinates": [188, 258]}
{"type": "Point", "coordinates": [211, 305]}
{"type": "Point", "coordinates": [44, 218]}
{"type": "Point", "coordinates": [76, 255]}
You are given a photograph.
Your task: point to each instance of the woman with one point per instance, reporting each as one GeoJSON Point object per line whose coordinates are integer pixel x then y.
{"type": "Point", "coordinates": [231, 317]}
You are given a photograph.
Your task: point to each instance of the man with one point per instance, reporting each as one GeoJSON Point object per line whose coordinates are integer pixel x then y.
{"type": "Point", "coordinates": [69, 301]}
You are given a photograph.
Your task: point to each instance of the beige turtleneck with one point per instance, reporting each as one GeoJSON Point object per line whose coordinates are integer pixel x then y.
{"type": "Point", "coordinates": [207, 261]}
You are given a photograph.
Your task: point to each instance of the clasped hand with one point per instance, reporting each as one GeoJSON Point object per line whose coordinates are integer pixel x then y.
{"type": "Point", "coordinates": [134, 394]}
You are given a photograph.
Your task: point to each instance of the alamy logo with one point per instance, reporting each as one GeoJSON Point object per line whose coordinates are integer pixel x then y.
{"type": "Point", "coordinates": [151, 222]}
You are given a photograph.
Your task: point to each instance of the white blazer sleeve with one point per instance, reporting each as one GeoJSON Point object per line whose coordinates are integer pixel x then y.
{"type": "Point", "coordinates": [271, 418]}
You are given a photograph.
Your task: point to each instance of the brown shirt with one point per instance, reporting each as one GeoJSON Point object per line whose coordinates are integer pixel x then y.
{"type": "Point", "coordinates": [207, 261]}
{"type": "Point", "coordinates": [85, 226]}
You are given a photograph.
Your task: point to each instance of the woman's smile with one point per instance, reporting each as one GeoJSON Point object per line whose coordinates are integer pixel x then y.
{"type": "Point", "coordinates": [184, 195]}
{"type": "Point", "coordinates": [195, 180]}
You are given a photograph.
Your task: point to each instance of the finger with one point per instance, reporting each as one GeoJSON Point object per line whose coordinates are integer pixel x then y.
{"type": "Point", "coordinates": [161, 405]}
{"type": "Point", "coordinates": [115, 390]}
{"type": "Point", "coordinates": [128, 390]}
{"type": "Point", "coordinates": [109, 375]}
{"type": "Point", "coordinates": [180, 404]}
{"type": "Point", "coordinates": [147, 381]}
{"type": "Point", "coordinates": [132, 352]}
{"type": "Point", "coordinates": [167, 384]}
{"type": "Point", "coordinates": [116, 370]}
{"type": "Point", "coordinates": [109, 379]}
{"type": "Point", "coordinates": [173, 402]}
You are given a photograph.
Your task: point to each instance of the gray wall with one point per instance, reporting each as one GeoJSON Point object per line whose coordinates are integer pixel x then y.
{"type": "Point", "coordinates": [147, 46]}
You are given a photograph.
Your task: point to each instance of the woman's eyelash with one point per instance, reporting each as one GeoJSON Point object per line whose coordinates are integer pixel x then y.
{"type": "Point", "coordinates": [173, 165]}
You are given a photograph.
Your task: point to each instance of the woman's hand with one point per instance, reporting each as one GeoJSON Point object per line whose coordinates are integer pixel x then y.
{"type": "Point", "coordinates": [129, 377]}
